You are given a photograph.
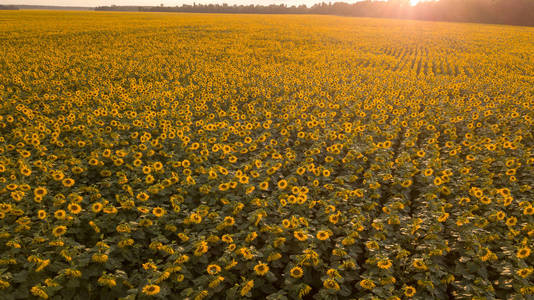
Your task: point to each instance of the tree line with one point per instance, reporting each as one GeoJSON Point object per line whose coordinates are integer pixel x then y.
{"type": "Point", "coordinates": [8, 7]}
{"type": "Point", "coordinates": [512, 12]}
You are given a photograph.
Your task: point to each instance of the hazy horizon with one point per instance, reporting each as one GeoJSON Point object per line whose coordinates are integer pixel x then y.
{"type": "Point", "coordinates": [90, 3]}
{"type": "Point", "coordinates": [94, 3]}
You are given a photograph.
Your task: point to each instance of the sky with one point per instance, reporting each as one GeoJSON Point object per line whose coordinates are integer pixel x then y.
{"type": "Point", "coordinates": [92, 3]}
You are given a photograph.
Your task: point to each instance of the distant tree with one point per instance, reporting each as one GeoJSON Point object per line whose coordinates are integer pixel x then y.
{"type": "Point", "coordinates": [513, 12]}
{"type": "Point", "coordinates": [8, 7]}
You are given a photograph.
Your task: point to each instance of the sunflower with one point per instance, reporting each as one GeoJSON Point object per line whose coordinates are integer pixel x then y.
{"type": "Point", "coordinates": [251, 237]}
{"type": "Point", "coordinates": [229, 221]}
{"type": "Point", "coordinates": [110, 209]}
{"type": "Point", "coordinates": [485, 200]}
{"type": "Point", "coordinates": [224, 187]}
{"type": "Point", "coordinates": [331, 284]}
{"type": "Point", "coordinates": [227, 238]}
{"type": "Point", "coordinates": [323, 235]}
{"type": "Point", "coordinates": [77, 170]}
{"type": "Point", "coordinates": [60, 214]}
{"type": "Point", "coordinates": [99, 258]}
{"type": "Point", "coordinates": [525, 272]}
{"type": "Point", "coordinates": [419, 264]}
{"type": "Point", "coordinates": [523, 252]}
{"type": "Point", "coordinates": [12, 186]}
{"type": "Point", "coordinates": [261, 269]}
{"type": "Point", "coordinates": [478, 193]}
{"type": "Point", "coordinates": [201, 248]}
{"type": "Point", "coordinates": [40, 191]}
{"type": "Point", "coordinates": [106, 281]}
{"type": "Point", "coordinates": [428, 172]}
{"type": "Point", "coordinates": [158, 211]}
{"type": "Point", "coordinates": [151, 289]}
{"type": "Point", "coordinates": [465, 170]}
{"type": "Point", "coordinates": [264, 185]}
{"type": "Point", "coordinates": [296, 272]}
{"type": "Point", "coordinates": [17, 195]}
{"type": "Point", "coordinates": [93, 161]}
{"type": "Point", "coordinates": [149, 179]}
{"type": "Point", "coordinates": [282, 184]}
{"type": "Point", "coordinates": [41, 214]}
{"type": "Point", "coordinates": [511, 221]}
{"type": "Point", "coordinates": [59, 230]}
{"type": "Point", "coordinates": [39, 292]}
{"type": "Point", "coordinates": [367, 284]}
{"type": "Point", "coordinates": [507, 201]}
{"type": "Point", "coordinates": [384, 264]}
{"type": "Point", "coordinates": [106, 153]}
{"type": "Point", "coordinates": [247, 287]}
{"type": "Point", "coordinates": [333, 218]}
{"type": "Point", "coordinates": [146, 170]}
{"type": "Point", "coordinates": [74, 208]}
{"type": "Point", "coordinates": [213, 269]}
{"type": "Point", "coordinates": [286, 223]}
{"type": "Point", "coordinates": [195, 218]}
{"type": "Point", "coordinates": [372, 245]}
{"type": "Point", "coordinates": [157, 166]}
{"type": "Point", "coordinates": [443, 217]}
{"type": "Point", "coordinates": [300, 235]}
{"type": "Point", "coordinates": [26, 171]}
{"type": "Point", "coordinates": [409, 291]}
{"type": "Point", "coordinates": [97, 207]}
{"type": "Point", "coordinates": [145, 222]}
{"type": "Point", "coordinates": [68, 182]}
{"type": "Point", "coordinates": [142, 197]}
{"type": "Point", "coordinates": [94, 226]}
{"type": "Point", "coordinates": [406, 183]}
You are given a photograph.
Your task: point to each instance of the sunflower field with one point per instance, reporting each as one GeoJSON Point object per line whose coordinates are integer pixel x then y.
{"type": "Point", "coordinates": [197, 156]}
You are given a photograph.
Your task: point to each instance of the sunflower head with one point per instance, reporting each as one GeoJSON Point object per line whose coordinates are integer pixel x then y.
{"type": "Point", "coordinates": [523, 252]}
{"type": "Point", "coordinates": [151, 289]}
{"type": "Point", "coordinates": [409, 291]}
{"type": "Point", "coordinates": [296, 272]}
{"type": "Point", "coordinates": [261, 269]}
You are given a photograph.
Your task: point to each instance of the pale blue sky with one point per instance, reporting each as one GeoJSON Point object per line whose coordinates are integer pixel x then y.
{"type": "Point", "coordinates": [165, 2]}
